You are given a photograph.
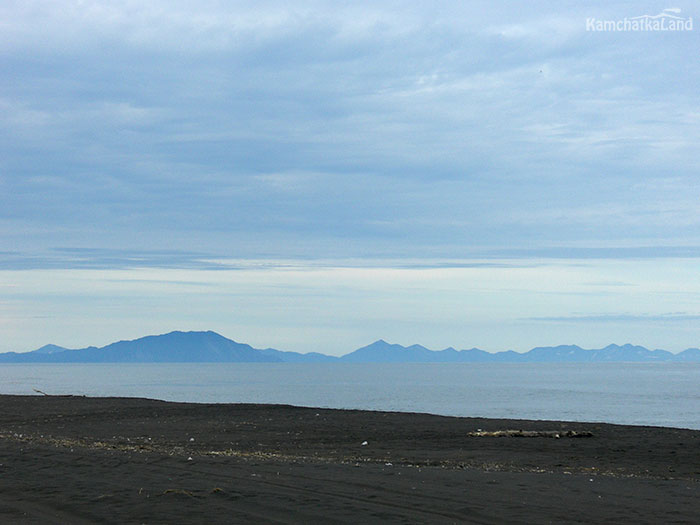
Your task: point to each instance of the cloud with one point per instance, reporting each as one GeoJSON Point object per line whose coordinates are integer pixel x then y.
{"type": "Point", "coordinates": [619, 318]}
{"type": "Point", "coordinates": [71, 258]}
{"type": "Point", "coordinates": [376, 131]}
{"type": "Point", "coordinates": [92, 258]}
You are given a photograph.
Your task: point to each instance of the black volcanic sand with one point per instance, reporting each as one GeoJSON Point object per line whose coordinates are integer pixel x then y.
{"type": "Point", "coordinates": [114, 460]}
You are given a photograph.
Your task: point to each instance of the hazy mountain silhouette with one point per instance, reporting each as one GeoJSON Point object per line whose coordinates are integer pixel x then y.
{"type": "Point", "coordinates": [175, 347]}
{"type": "Point", "coordinates": [210, 347]}
{"type": "Point", "coordinates": [295, 357]}
{"type": "Point", "coordinates": [383, 352]}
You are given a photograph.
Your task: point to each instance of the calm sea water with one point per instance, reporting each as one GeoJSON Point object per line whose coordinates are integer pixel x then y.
{"type": "Point", "coordinates": [663, 394]}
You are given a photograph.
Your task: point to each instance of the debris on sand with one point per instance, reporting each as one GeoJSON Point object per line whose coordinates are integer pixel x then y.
{"type": "Point", "coordinates": [556, 434]}
{"type": "Point", "coordinates": [177, 491]}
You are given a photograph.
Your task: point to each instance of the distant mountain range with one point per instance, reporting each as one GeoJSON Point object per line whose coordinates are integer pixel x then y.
{"type": "Point", "coordinates": [210, 347]}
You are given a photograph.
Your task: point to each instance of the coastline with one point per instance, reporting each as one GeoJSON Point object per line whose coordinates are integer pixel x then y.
{"type": "Point", "coordinates": [632, 394]}
{"type": "Point", "coordinates": [87, 460]}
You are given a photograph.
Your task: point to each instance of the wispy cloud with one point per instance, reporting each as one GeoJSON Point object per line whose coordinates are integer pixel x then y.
{"type": "Point", "coordinates": [94, 258]}
{"type": "Point", "coordinates": [475, 257]}
{"type": "Point", "coordinates": [619, 318]}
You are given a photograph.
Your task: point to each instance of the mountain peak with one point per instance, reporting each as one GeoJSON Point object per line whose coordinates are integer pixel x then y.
{"type": "Point", "coordinates": [49, 349]}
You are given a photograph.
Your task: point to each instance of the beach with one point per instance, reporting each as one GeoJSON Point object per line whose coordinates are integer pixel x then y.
{"type": "Point", "coordinates": [68, 459]}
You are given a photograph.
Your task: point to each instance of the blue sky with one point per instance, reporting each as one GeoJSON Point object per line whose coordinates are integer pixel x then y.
{"type": "Point", "coordinates": [319, 175]}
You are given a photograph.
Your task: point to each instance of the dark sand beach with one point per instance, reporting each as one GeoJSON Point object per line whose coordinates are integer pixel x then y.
{"type": "Point", "coordinates": [122, 460]}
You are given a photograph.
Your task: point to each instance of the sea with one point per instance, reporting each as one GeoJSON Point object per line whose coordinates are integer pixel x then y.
{"type": "Point", "coordinates": [657, 394]}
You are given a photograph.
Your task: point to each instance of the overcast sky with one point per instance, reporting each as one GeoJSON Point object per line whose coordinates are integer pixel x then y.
{"type": "Point", "coordinates": [318, 175]}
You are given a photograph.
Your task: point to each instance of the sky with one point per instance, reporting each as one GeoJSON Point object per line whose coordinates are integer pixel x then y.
{"type": "Point", "coordinates": [313, 176]}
